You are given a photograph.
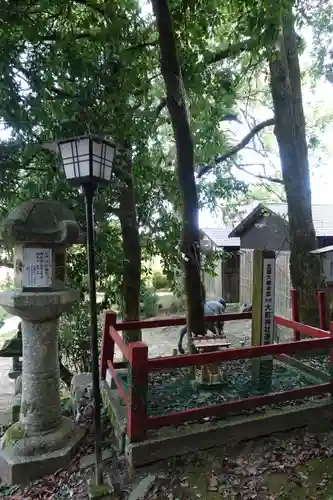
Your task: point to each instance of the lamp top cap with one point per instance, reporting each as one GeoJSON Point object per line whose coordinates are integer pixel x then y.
{"type": "Point", "coordinates": [54, 145]}
{"type": "Point", "coordinates": [41, 221]}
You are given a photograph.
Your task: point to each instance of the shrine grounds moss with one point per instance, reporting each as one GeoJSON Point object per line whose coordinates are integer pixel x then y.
{"type": "Point", "coordinates": [174, 391]}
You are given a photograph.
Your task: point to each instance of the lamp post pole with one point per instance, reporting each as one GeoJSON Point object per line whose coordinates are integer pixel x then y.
{"type": "Point", "coordinates": [88, 161]}
{"type": "Point", "coordinates": [89, 191]}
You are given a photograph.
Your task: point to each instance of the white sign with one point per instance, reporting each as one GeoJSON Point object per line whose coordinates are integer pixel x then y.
{"type": "Point", "coordinates": [37, 267]}
{"type": "Point", "coordinates": [267, 313]}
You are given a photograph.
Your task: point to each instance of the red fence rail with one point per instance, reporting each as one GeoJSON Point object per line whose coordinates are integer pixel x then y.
{"type": "Point", "coordinates": [300, 328]}
{"type": "Point", "coordinates": [139, 366]}
{"type": "Point", "coordinates": [156, 323]}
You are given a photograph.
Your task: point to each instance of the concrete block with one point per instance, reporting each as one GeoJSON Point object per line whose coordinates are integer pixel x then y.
{"type": "Point", "coordinates": [170, 441]}
{"type": "Point", "coordinates": [142, 489]}
{"type": "Point", "coordinates": [89, 460]}
{"type": "Point", "coordinates": [117, 413]}
{"type": "Point", "coordinates": [80, 390]}
{"type": "Point", "coordinates": [24, 459]}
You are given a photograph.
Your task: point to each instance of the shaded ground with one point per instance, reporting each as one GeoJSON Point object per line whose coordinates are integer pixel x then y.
{"type": "Point", "coordinates": [288, 466]}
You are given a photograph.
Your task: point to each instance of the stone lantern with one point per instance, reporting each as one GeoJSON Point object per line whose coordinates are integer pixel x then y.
{"type": "Point", "coordinates": [42, 440]}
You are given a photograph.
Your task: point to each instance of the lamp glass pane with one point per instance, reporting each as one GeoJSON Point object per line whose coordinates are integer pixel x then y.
{"type": "Point", "coordinates": [84, 167]}
{"type": "Point", "coordinates": [81, 152]}
{"type": "Point", "coordinates": [66, 150]}
{"type": "Point", "coordinates": [96, 168]}
{"type": "Point", "coordinates": [107, 173]}
{"type": "Point", "coordinates": [97, 159]}
{"type": "Point", "coordinates": [109, 155]}
{"type": "Point", "coordinates": [75, 157]}
{"type": "Point", "coordinates": [69, 171]}
{"type": "Point", "coordinates": [82, 146]}
{"type": "Point", "coordinates": [67, 159]}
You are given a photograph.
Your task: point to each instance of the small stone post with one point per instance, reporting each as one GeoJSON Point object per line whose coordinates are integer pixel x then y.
{"type": "Point", "coordinates": [263, 328]}
{"type": "Point", "coordinates": [42, 441]}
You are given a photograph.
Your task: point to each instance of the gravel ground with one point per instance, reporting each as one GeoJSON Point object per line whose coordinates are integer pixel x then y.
{"type": "Point", "coordinates": [174, 391]}
{"type": "Point", "coordinates": [318, 362]}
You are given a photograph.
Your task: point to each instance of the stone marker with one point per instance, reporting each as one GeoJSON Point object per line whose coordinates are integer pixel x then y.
{"type": "Point", "coordinates": [42, 441]}
{"type": "Point", "coordinates": [263, 302]}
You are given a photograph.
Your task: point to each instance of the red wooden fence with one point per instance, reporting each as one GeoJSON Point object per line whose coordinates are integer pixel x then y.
{"type": "Point", "coordinates": [136, 354]}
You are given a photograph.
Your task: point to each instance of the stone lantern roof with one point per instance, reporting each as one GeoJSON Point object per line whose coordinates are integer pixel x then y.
{"type": "Point", "coordinates": [41, 221]}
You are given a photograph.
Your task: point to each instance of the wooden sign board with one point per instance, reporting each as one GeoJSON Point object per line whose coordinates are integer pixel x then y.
{"type": "Point", "coordinates": [37, 268]}
{"type": "Point", "coordinates": [268, 301]}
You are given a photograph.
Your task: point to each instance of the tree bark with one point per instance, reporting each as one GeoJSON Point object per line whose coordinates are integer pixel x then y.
{"type": "Point", "coordinates": [285, 80]}
{"type": "Point", "coordinates": [65, 374]}
{"type": "Point", "coordinates": [131, 249]}
{"type": "Point", "coordinates": [176, 103]}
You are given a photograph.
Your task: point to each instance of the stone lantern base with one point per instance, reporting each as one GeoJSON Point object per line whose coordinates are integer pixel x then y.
{"type": "Point", "coordinates": [26, 458]}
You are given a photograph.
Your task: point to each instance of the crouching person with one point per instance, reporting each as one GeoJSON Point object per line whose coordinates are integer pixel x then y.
{"type": "Point", "coordinates": [211, 308]}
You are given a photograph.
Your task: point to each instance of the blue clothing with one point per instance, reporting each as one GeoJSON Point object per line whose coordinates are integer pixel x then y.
{"type": "Point", "coordinates": [213, 307]}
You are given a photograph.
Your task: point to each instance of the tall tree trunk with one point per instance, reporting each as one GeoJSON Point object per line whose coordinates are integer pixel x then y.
{"type": "Point", "coordinates": [190, 238]}
{"type": "Point", "coordinates": [291, 137]}
{"type": "Point", "coordinates": [131, 250]}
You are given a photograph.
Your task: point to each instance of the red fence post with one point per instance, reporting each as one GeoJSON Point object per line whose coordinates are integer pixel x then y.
{"type": "Point", "coordinates": [330, 360]}
{"type": "Point", "coordinates": [295, 311]}
{"type": "Point", "coordinates": [322, 310]}
{"type": "Point", "coordinates": [137, 419]}
{"type": "Point", "coordinates": [107, 350]}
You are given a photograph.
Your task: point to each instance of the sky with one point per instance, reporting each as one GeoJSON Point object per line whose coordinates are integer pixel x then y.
{"type": "Point", "coordinates": [317, 103]}
{"type": "Point", "coordinates": [321, 175]}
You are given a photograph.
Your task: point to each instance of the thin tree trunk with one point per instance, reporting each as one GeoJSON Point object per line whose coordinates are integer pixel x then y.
{"type": "Point", "coordinates": [65, 374]}
{"type": "Point", "coordinates": [190, 238]}
{"type": "Point", "coordinates": [291, 137]}
{"type": "Point", "coordinates": [131, 250]}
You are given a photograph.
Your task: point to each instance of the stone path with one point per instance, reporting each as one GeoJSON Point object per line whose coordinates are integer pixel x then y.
{"type": "Point", "coordinates": [6, 390]}
{"type": "Point", "coordinates": [7, 330]}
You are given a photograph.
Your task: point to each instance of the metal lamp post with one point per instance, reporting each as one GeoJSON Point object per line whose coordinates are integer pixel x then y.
{"type": "Point", "coordinates": [87, 162]}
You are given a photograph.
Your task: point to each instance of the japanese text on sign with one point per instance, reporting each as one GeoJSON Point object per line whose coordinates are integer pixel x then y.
{"type": "Point", "coordinates": [37, 267]}
{"type": "Point", "coordinates": [268, 301]}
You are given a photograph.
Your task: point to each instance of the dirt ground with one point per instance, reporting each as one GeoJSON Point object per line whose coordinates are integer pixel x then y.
{"type": "Point", "coordinates": [162, 341]}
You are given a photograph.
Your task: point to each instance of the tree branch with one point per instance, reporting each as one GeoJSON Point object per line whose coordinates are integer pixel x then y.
{"type": "Point", "coordinates": [203, 169]}
{"type": "Point", "coordinates": [259, 176]}
{"type": "Point", "coordinates": [159, 108]}
{"type": "Point", "coordinates": [233, 50]}
{"type": "Point", "coordinates": [142, 45]}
